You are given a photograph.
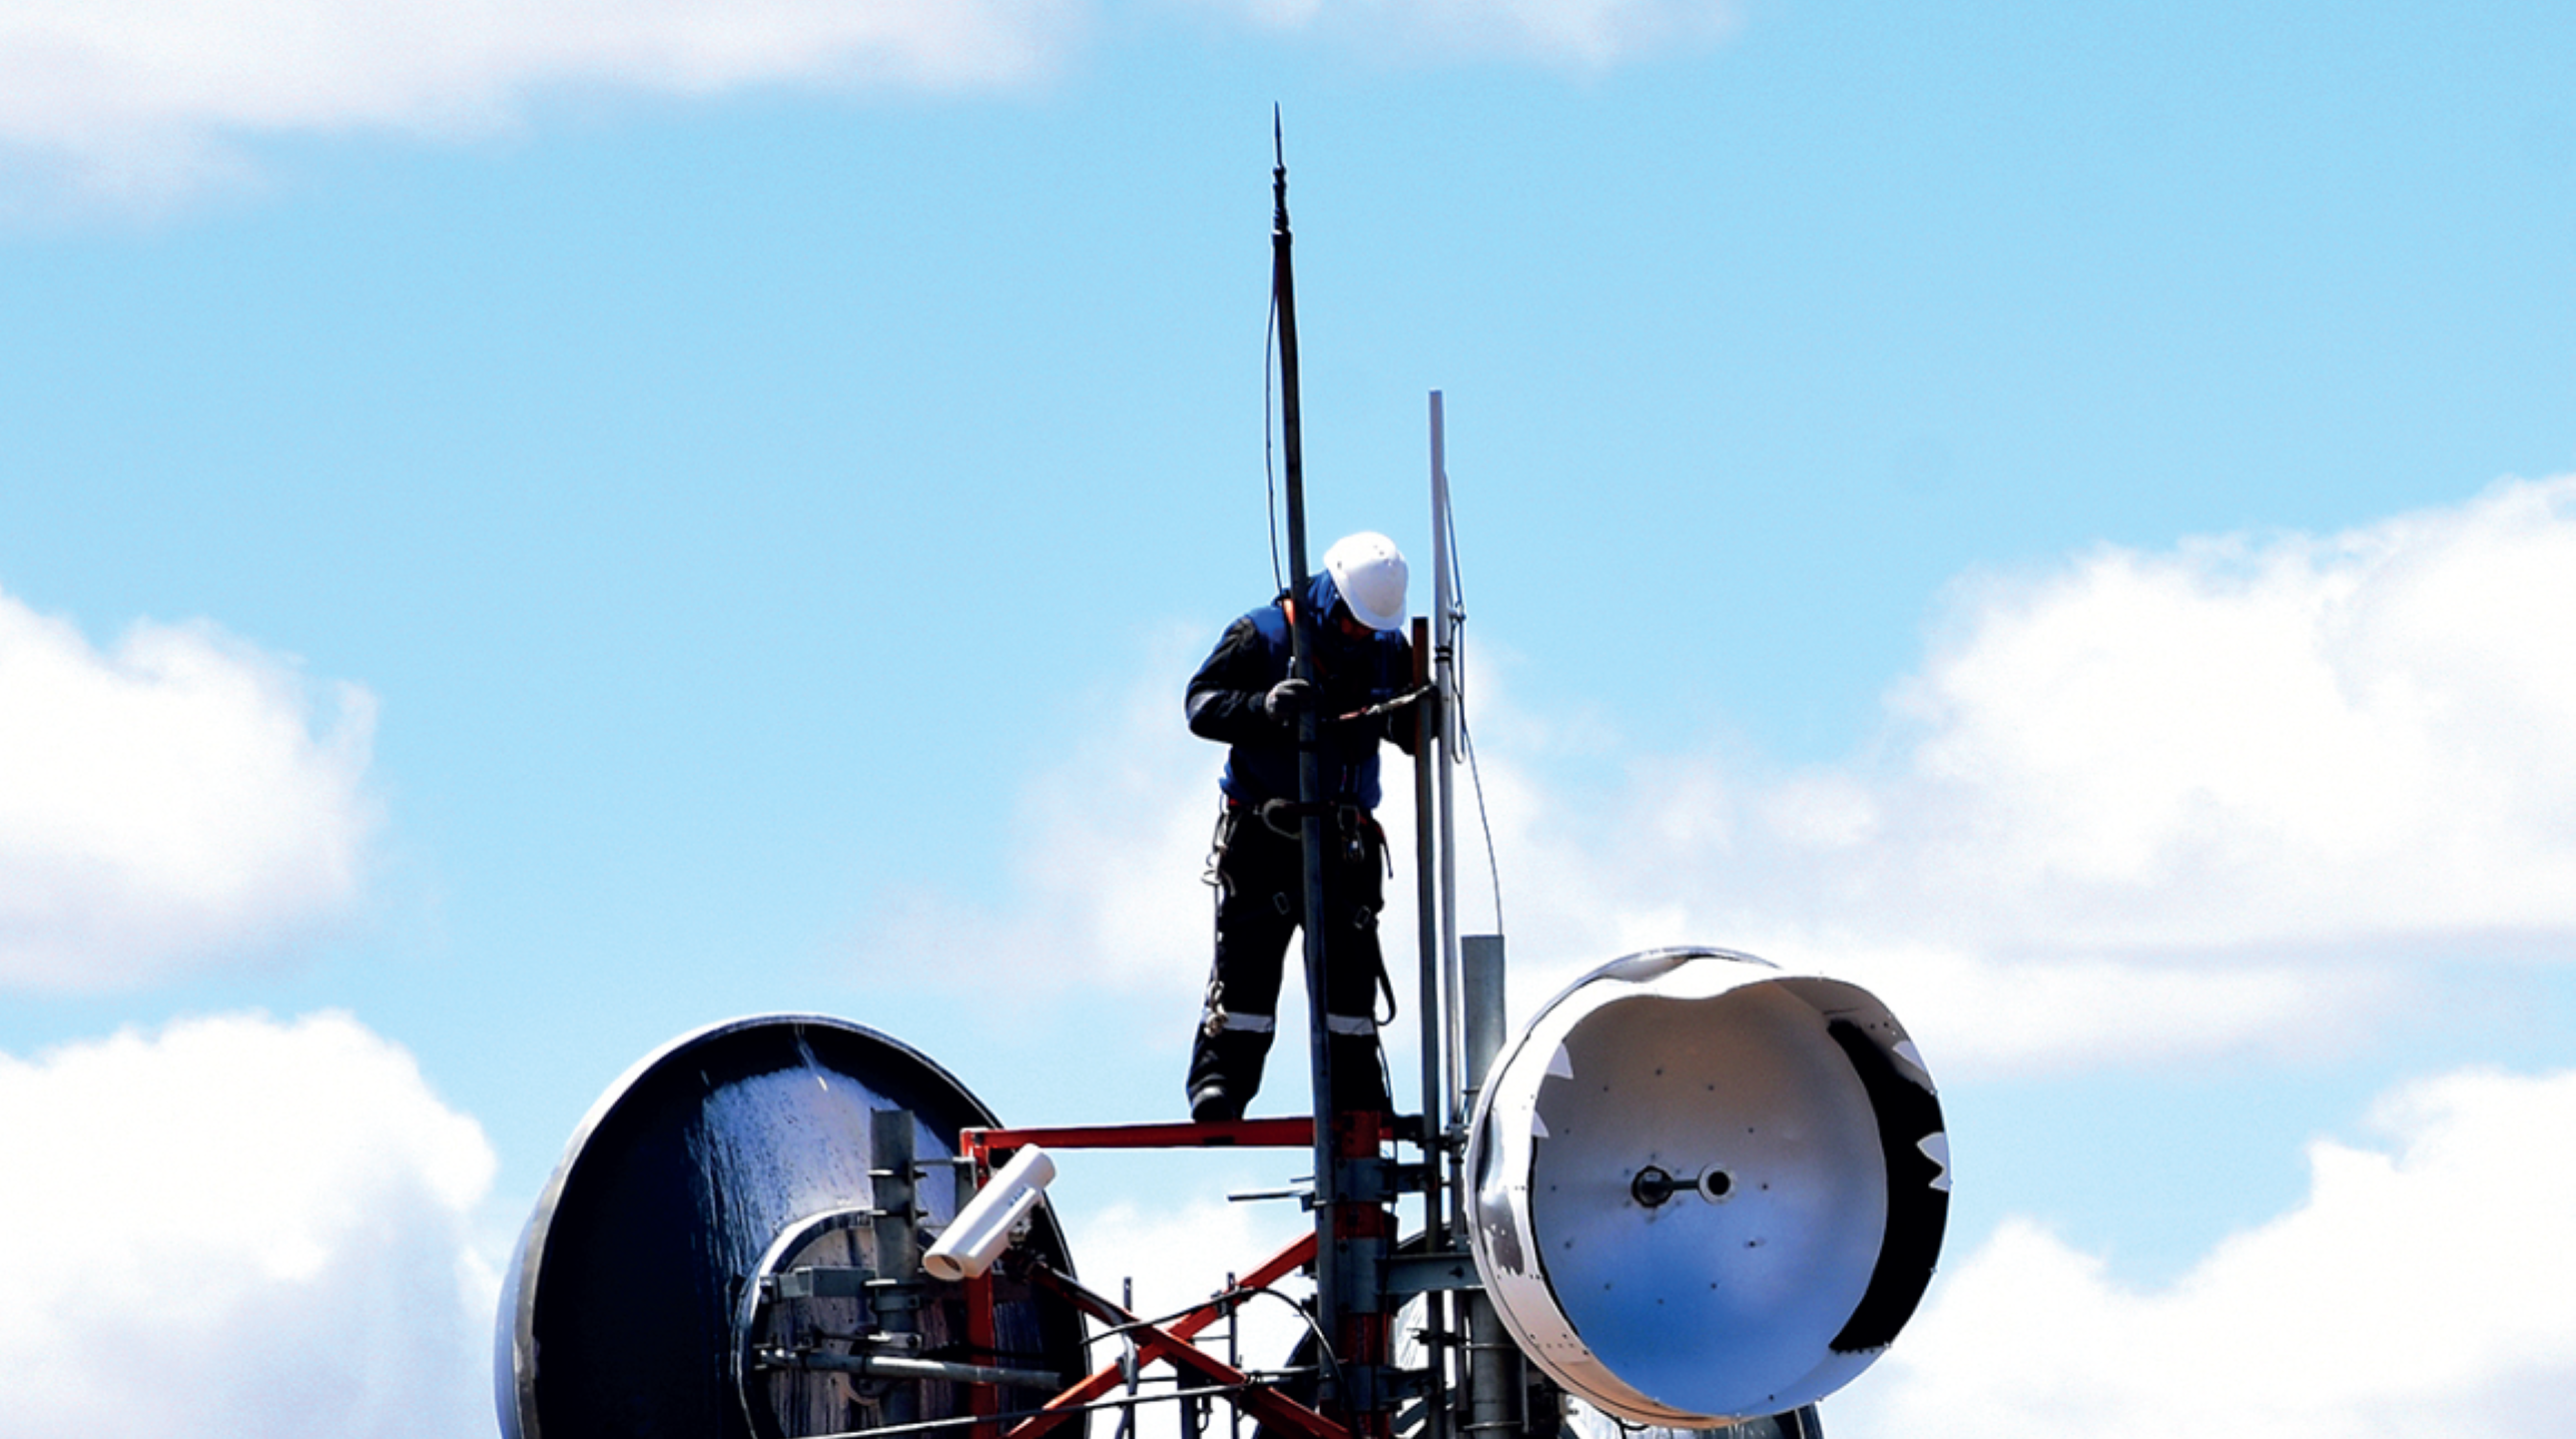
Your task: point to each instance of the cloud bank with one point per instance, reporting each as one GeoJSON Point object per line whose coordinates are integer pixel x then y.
{"type": "Point", "coordinates": [136, 103]}
{"type": "Point", "coordinates": [1584, 35]}
{"type": "Point", "coordinates": [168, 805]}
{"type": "Point", "coordinates": [2416, 1290]}
{"type": "Point", "coordinates": [239, 1226]}
{"type": "Point", "coordinates": [2311, 739]}
{"type": "Point", "coordinates": [139, 100]}
{"type": "Point", "coordinates": [2143, 805]}
{"type": "Point", "coordinates": [1108, 846]}
{"type": "Point", "coordinates": [2139, 806]}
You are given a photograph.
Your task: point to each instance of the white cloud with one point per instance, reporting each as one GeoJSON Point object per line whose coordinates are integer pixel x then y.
{"type": "Point", "coordinates": [1103, 894]}
{"type": "Point", "coordinates": [1108, 845]}
{"type": "Point", "coordinates": [238, 1226]}
{"type": "Point", "coordinates": [2250, 794]}
{"type": "Point", "coordinates": [2421, 1287]}
{"type": "Point", "coordinates": [1585, 35]}
{"type": "Point", "coordinates": [135, 103]}
{"type": "Point", "coordinates": [168, 805]}
{"type": "Point", "coordinates": [1106, 891]}
{"type": "Point", "coordinates": [136, 99]}
{"type": "Point", "coordinates": [1178, 1256]}
{"type": "Point", "coordinates": [2245, 796]}
{"type": "Point", "coordinates": [2247, 740]}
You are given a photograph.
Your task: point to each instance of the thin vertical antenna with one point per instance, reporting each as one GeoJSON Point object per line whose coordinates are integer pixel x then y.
{"type": "Point", "coordinates": [1444, 642]}
{"type": "Point", "coordinates": [1437, 995]}
{"type": "Point", "coordinates": [1283, 284]}
{"type": "Point", "coordinates": [1332, 1296]}
{"type": "Point", "coordinates": [1354, 1217]}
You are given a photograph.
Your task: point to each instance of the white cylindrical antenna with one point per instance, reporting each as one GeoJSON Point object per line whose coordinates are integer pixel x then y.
{"type": "Point", "coordinates": [982, 1230]}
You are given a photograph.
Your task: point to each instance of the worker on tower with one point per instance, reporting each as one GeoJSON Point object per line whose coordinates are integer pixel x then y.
{"type": "Point", "coordinates": [1244, 697]}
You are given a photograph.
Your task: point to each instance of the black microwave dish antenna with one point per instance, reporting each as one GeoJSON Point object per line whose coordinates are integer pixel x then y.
{"type": "Point", "coordinates": [730, 1249]}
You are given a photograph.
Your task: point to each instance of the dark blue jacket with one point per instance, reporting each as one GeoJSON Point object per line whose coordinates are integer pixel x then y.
{"type": "Point", "coordinates": [1351, 674]}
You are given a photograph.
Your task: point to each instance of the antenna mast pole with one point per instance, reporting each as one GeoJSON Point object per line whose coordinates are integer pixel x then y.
{"type": "Point", "coordinates": [1301, 665]}
{"type": "Point", "coordinates": [1434, 888]}
{"type": "Point", "coordinates": [1351, 1218]}
{"type": "Point", "coordinates": [1448, 1110]}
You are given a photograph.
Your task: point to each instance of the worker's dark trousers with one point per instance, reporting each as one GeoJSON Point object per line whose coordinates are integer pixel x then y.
{"type": "Point", "coordinates": [1260, 892]}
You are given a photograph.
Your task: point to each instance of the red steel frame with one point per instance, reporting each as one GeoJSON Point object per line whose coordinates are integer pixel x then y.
{"type": "Point", "coordinates": [1170, 1342]}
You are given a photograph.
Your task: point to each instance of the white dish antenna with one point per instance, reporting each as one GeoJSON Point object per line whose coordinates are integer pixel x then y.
{"type": "Point", "coordinates": [1704, 1189]}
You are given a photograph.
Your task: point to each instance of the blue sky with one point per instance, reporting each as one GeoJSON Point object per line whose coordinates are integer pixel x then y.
{"type": "Point", "coordinates": [526, 533]}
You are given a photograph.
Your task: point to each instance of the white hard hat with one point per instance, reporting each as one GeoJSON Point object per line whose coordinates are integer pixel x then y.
{"type": "Point", "coordinates": [1369, 571]}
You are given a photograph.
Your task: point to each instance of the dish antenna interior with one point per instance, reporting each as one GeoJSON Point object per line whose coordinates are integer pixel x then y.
{"type": "Point", "coordinates": [727, 1201]}
{"type": "Point", "coordinates": [1705, 1190]}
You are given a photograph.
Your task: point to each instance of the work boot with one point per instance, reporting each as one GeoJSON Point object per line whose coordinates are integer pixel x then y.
{"type": "Point", "coordinates": [1211, 1104]}
{"type": "Point", "coordinates": [1225, 1072]}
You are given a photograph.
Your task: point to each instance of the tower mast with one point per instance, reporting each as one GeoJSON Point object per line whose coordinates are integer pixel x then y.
{"type": "Point", "coordinates": [1352, 1220]}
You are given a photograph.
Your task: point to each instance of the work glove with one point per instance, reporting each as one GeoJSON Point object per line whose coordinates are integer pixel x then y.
{"type": "Point", "coordinates": [1283, 700]}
